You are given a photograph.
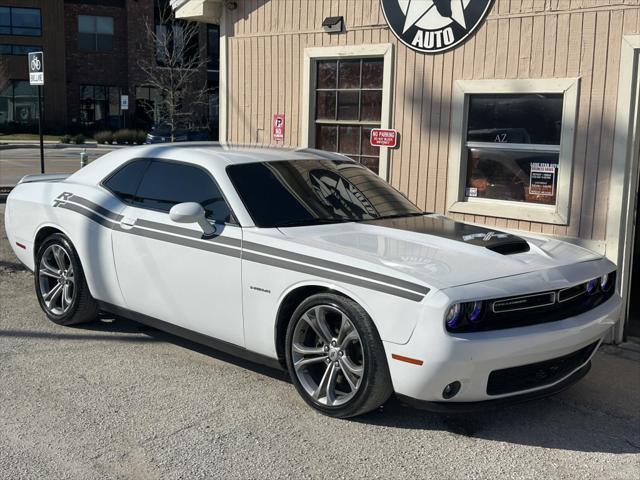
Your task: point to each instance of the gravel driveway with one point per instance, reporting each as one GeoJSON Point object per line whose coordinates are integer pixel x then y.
{"type": "Point", "coordinates": [115, 399]}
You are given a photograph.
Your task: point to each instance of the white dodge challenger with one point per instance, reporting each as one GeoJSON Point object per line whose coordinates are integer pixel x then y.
{"type": "Point", "coordinates": [306, 260]}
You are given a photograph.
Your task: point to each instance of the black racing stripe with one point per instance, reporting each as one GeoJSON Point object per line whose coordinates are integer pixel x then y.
{"type": "Point", "coordinates": [336, 266]}
{"type": "Point", "coordinates": [276, 262]}
{"type": "Point", "coordinates": [96, 208]}
{"type": "Point", "coordinates": [389, 287]}
{"type": "Point", "coordinates": [187, 232]}
{"type": "Point", "coordinates": [89, 214]}
{"type": "Point", "coordinates": [187, 242]}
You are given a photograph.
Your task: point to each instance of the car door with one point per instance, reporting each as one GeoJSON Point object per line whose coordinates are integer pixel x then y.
{"type": "Point", "coordinates": [167, 270]}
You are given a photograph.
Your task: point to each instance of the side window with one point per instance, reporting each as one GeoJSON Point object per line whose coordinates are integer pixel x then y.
{"type": "Point", "coordinates": [166, 184]}
{"type": "Point", "coordinates": [125, 181]}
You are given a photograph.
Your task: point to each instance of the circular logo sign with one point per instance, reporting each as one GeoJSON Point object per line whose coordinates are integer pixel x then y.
{"type": "Point", "coordinates": [433, 26]}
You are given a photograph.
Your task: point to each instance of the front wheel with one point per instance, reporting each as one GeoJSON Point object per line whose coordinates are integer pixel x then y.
{"type": "Point", "coordinates": [60, 284]}
{"type": "Point", "coordinates": [335, 357]}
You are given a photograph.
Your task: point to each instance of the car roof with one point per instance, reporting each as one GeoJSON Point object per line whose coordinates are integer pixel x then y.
{"type": "Point", "coordinates": [232, 153]}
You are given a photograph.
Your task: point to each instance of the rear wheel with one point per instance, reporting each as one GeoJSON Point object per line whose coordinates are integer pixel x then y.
{"type": "Point", "coordinates": [335, 357]}
{"type": "Point", "coordinates": [60, 283]}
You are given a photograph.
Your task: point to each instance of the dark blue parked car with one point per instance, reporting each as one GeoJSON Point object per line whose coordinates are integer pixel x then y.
{"type": "Point", "coordinates": [162, 134]}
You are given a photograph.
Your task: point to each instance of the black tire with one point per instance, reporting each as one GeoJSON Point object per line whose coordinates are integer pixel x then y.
{"type": "Point", "coordinates": [375, 385]}
{"type": "Point", "coordinates": [81, 308]}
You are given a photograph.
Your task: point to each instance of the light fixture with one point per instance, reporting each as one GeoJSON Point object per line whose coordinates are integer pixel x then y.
{"type": "Point", "coordinates": [333, 24]}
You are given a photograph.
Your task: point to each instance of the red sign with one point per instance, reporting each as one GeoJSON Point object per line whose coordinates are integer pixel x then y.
{"type": "Point", "coordinates": [384, 138]}
{"type": "Point", "coordinates": [278, 127]}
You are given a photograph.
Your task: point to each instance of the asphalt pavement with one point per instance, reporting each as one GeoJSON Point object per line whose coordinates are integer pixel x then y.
{"type": "Point", "coordinates": [15, 163]}
{"type": "Point", "coordinates": [114, 399]}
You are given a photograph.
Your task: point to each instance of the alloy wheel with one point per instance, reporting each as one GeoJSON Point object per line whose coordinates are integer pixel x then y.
{"type": "Point", "coordinates": [56, 279]}
{"type": "Point", "coordinates": [327, 355]}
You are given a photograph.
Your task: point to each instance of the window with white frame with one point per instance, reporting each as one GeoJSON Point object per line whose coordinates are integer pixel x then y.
{"type": "Point", "coordinates": [347, 92]}
{"type": "Point", "coordinates": [512, 148]}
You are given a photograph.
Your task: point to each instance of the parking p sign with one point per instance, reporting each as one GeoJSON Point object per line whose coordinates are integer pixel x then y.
{"type": "Point", "coordinates": [36, 68]}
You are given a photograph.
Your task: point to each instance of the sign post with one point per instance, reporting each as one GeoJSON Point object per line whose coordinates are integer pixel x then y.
{"type": "Point", "coordinates": [124, 106]}
{"type": "Point", "coordinates": [36, 77]}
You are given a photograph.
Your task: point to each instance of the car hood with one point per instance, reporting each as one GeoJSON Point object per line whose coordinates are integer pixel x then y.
{"type": "Point", "coordinates": [436, 250]}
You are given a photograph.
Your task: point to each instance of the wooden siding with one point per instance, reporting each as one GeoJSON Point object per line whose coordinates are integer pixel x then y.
{"type": "Point", "coordinates": [520, 39]}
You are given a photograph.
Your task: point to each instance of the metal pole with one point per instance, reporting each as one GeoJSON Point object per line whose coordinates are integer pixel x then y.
{"type": "Point", "coordinates": [40, 128]}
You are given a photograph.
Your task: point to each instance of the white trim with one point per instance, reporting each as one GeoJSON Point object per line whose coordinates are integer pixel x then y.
{"type": "Point", "coordinates": [557, 214]}
{"type": "Point", "coordinates": [312, 54]}
{"type": "Point", "coordinates": [624, 172]}
{"type": "Point", "coordinates": [223, 91]}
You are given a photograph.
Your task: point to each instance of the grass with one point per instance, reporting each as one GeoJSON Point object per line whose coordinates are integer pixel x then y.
{"type": "Point", "coordinates": [28, 136]}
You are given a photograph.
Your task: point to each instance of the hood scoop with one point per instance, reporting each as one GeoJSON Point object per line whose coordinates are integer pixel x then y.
{"type": "Point", "coordinates": [439, 226]}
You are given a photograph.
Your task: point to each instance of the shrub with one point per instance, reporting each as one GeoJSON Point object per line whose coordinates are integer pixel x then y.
{"type": "Point", "coordinates": [104, 137]}
{"type": "Point", "coordinates": [140, 136]}
{"type": "Point", "coordinates": [129, 137]}
{"type": "Point", "coordinates": [66, 138]}
{"type": "Point", "coordinates": [79, 139]}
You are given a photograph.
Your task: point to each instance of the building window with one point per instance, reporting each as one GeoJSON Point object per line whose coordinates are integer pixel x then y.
{"type": "Point", "coordinates": [213, 78]}
{"type": "Point", "coordinates": [95, 34]}
{"type": "Point", "coordinates": [148, 104]}
{"type": "Point", "coordinates": [527, 127]}
{"type": "Point", "coordinates": [20, 21]}
{"type": "Point", "coordinates": [7, 49]}
{"type": "Point", "coordinates": [99, 106]}
{"type": "Point", "coordinates": [513, 156]}
{"type": "Point", "coordinates": [346, 93]}
{"type": "Point", "coordinates": [348, 104]}
{"type": "Point", "coordinates": [19, 104]}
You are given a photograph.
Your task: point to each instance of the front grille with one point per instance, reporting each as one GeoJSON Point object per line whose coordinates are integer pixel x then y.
{"type": "Point", "coordinates": [535, 308]}
{"type": "Point", "coordinates": [525, 377]}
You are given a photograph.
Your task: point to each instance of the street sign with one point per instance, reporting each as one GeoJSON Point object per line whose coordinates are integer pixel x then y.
{"type": "Point", "coordinates": [36, 68]}
{"type": "Point", "coordinates": [381, 137]}
{"type": "Point", "coordinates": [124, 102]}
{"type": "Point", "coordinates": [278, 127]}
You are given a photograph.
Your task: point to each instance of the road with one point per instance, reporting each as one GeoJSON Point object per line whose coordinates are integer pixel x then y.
{"type": "Point", "coordinates": [114, 399]}
{"type": "Point", "coordinates": [15, 163]}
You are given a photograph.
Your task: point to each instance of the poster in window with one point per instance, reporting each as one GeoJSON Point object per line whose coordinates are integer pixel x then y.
{"type": "Point", "coordinates": [542, 179]}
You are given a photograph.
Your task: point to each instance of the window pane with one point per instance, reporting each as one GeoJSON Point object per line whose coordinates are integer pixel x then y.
{"type": "Point", "coordinates": [372, 69]}
{"type": "Point", "coordinates": [367, 149]}
{"type": "Point", "coordinates": [125, 181]}
{"type": "Point", "coordinates": [515, 118]}
{"type": "Point", "coordinates": [5, 49]}
{"type": "Point", "coordinates": [104, 43]}
{"type": "Point", "coordinates": [213, 47]}
{"type": "Point", "coordinates": [349, 74]}
{"type": "Point", "coordinates": [371, 105]}
{"type": "Point", "coordinates": [515, 176]}
{"type": "Point", "coordinates": [348, 105]}
{"type": "Point", "coordinates": [327, 137]}
{"type": "Point", "coordinates": [25, 17]}
{"type": "Point", "coordinates": [326, 105]}
{"type": "Point", "coordinates": [5, 17]}
{"type": "Point", "coordinates": [327, 73]}
{"type": "Point", "coordinates": [87, 42]}
{"type": "Point", "coordinates": [349, 140]}
{"type": "Point", "coordinates": [104, 25]}
{"type": "Point", "coordinates": [167, 184]}
{"type": "Point", "coordinates": [86, 24]}
{"type": "Point", "coordinates": [25, 31]}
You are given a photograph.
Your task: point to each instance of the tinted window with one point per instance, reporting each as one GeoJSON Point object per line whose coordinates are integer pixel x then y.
{"type": "Point", "coordinates": [307, 192]}
{"type": "Point", "coordinates": [125, 181]}
{"type": "Point", "coordinates": [166, 184]}
{"type": "Point", "coordinates": [515, 118]}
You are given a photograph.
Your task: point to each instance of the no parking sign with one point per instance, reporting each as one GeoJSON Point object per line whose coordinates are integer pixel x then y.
{"type": "Point", "coordinates": [278, 127]}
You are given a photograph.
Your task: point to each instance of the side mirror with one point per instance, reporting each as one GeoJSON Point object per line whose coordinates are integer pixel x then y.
{"type": "Point", "coordinates": [191, 212]}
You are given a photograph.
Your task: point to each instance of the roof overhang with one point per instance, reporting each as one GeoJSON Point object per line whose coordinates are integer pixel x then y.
{"type": "Point", "coordinates": [207, 11]}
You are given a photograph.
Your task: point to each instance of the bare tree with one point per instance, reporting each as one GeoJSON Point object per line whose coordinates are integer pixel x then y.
{"type": "Point", "coordinates": [175, 72]}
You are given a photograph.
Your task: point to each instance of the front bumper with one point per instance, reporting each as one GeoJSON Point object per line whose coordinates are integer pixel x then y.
{"type": "Point", "coordinates": [470, 358]}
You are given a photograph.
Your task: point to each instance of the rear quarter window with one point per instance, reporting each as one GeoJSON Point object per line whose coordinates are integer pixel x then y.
{"type": "Point", "coordinates": [124, 182]}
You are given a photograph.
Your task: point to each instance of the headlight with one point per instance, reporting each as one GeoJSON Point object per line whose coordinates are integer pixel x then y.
{"type": "Point", "coordinates": [592, 286]}
{"type": "Point", "coordinates": [474, 311]}
{"type": "Point", "coordinates": [454, 316]}
{"type": "Point", "coordinates": [606, 282]}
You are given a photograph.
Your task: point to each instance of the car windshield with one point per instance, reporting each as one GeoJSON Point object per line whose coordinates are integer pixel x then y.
{"type": "Point", "coordinates": [312, 192]}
